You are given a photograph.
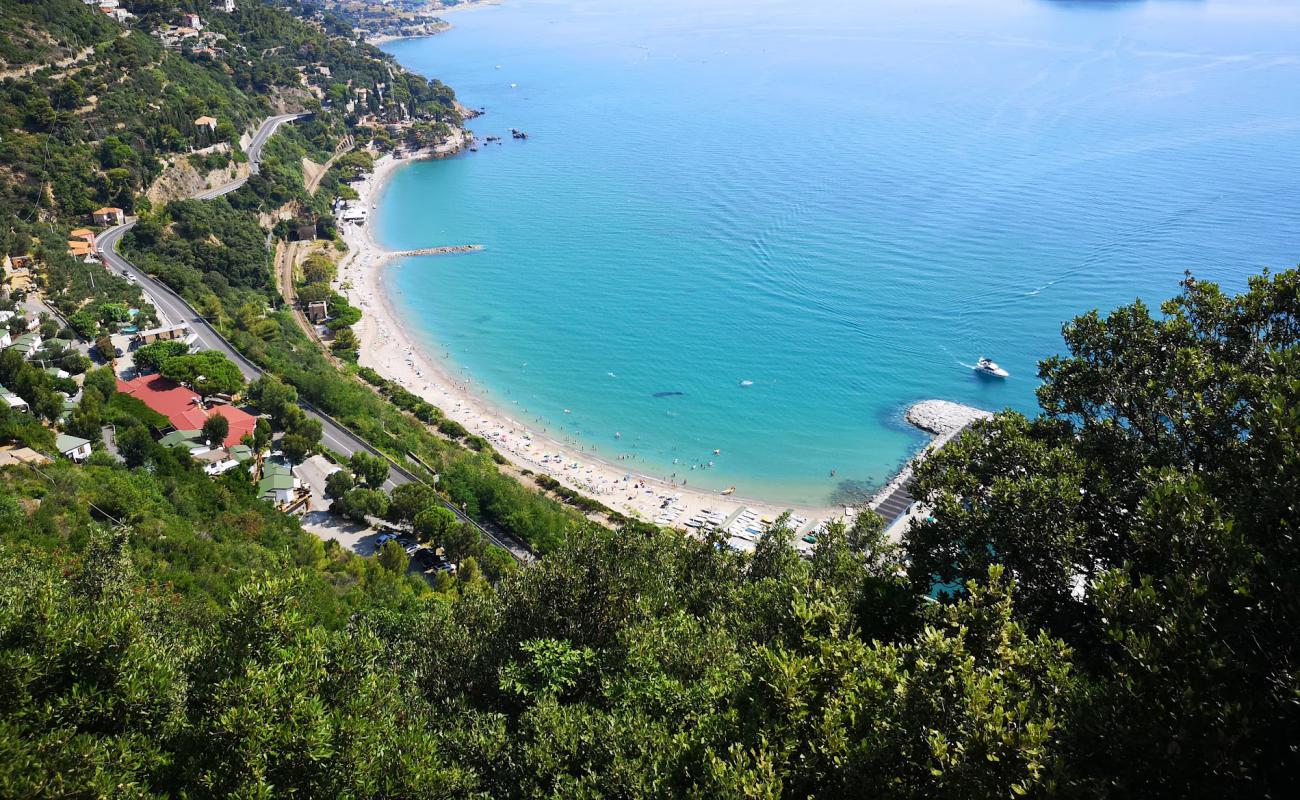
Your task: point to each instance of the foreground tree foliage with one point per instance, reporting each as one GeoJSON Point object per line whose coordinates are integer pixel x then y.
{"type": "Point", "coordinates": [1149, 519]}
{"type": "Point", "coordinates": [660, 666]}
{"type": "Point", "coordinates": [1102, 604]}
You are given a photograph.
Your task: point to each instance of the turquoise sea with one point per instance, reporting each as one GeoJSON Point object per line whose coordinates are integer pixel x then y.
{"type": "Point", "coordinates": [842, 201]}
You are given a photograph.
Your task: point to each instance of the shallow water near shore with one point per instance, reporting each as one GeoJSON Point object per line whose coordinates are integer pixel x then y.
{"type": "Point", "coordinates": [844, 203]}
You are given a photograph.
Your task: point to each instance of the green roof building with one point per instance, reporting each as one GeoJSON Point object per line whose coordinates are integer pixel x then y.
{"type": "Point", "coordinates": [194, 439]}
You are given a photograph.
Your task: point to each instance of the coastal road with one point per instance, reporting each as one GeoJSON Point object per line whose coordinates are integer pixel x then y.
{"type": "Point", "coordinates": [254, 150]}
{"type": "Point", "coordinates": [334, 435]}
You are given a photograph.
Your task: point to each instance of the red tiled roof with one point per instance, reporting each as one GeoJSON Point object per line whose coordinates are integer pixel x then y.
{"type": "Point", "coordinates": [181, 406]}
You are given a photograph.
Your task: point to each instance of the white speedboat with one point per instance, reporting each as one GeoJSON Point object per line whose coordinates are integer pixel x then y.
{"type": "Point", "coordinates": [987, 366]}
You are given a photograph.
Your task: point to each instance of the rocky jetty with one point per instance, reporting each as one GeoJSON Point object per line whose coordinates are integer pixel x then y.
{"type": "Point", "coordinates": [943, 417]}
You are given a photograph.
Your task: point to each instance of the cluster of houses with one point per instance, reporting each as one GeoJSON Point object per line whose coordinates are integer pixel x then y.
{"type": "Point", "coordinates": [81, 245]}
{"type": "Point", "coordinates": [73, 447]}
{"type": "Point", "coordinates": [186, 412]}
{"type": "Point", "coordinates": [111, 8]}
{"type": "Point", "coordinates": [191, 31]}
{"type": "Point", "coordinates": [8, 339]}
{"type": "Point", "coordinates": [28, 345]}
{"type": "Point", "coordinates": [173, 36]}
{"type": "Point", "coordinates": [81, 242]}
{"type": "Point", "coordinates": [377, 20]}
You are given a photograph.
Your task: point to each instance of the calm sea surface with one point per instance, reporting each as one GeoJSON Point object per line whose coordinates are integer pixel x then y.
{"type": "Point", "coordinates": [845, 203]}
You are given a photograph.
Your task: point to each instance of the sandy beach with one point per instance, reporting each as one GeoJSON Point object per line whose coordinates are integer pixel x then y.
{"type": "Point", "coordinates": [388, 349]}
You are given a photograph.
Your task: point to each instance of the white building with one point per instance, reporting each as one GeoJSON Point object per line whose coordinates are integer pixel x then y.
{"type": "Point", "coordinates": [12, 400]}
{"type": "Point", "coordinates": [73, 447]}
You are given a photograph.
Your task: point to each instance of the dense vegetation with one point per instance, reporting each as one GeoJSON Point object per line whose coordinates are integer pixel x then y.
{"type": "Point", "coordinates": [1102, 602]}
{"type": "Point", "coordinates": [1149, 516]}
{"type": "Point", "coordinates": [1117, 619]}
{"type": "Point", "coordinates": [98, 131]}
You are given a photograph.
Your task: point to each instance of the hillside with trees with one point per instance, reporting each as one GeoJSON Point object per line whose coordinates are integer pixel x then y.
{"type": "Point", "coordinates": [1101, 605]}
{"type": "Point", "coordinates": [105, 126]}
{"type": "Point", "coordinates": [1102, 601]}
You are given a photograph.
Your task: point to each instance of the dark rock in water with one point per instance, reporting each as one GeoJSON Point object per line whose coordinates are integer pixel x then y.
{"type": "Point", "coordinates": [668, 394]}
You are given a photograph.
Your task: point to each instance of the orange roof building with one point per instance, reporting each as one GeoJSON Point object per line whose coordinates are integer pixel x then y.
{"type": "Point", "coordinates": [108, 216]}
{"type": "Point", "coordinates": [183, 407]}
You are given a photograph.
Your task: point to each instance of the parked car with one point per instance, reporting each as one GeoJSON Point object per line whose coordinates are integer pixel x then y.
{"type": "Point", "coordinates": [427, 559]}
{"type": "Point", "coordinates": [385, 538]}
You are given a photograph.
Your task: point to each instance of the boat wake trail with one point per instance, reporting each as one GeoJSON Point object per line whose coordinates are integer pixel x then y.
{"type": "Point", "coordinates": [1123, 241]}
{"type": "Point", "coordinates": [955, 359]}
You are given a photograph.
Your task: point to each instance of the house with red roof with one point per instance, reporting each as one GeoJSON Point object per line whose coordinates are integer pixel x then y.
{"type": "Point", "coordinates": [184, 408]}
{"type": "Point", "coordinates": [108, 215]}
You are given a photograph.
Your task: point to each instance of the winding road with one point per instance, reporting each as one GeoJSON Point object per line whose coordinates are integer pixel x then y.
{"type": "Point", "coordinates": [254, 151]}
{"type": "Point", "coordinates": [176, 310]}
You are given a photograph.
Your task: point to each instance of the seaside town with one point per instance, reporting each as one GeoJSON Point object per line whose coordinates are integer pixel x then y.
{"type": "Point", "coordinates": [378, 21]}
{"type": "Point", "coordinates": [262, 535]}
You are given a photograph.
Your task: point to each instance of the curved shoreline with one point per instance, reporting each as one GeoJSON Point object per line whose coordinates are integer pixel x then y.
{"type": "Point", "coordinates": [387, 348]}
{"type": "Point", "coordinates": [394, 353]}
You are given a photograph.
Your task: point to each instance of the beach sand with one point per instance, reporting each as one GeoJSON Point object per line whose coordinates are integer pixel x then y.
{"type": "Point", "coordinates": [387, 348]}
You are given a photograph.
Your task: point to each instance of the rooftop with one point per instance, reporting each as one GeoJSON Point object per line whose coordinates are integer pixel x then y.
{"type": "Point", "coordinates": [10, 455]}
{"type": "Point", "coordinates": [182, 437]}
{"type": "Point", "coordinates": [181, 406]}
{"type": "Point", "coordinates": [64, 442]}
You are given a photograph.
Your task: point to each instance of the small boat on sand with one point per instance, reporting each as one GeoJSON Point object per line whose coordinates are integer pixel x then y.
{"type": "Point", "coordinates": [729, 490]}
{"type": "Point", "coordinates": [989, 367]}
